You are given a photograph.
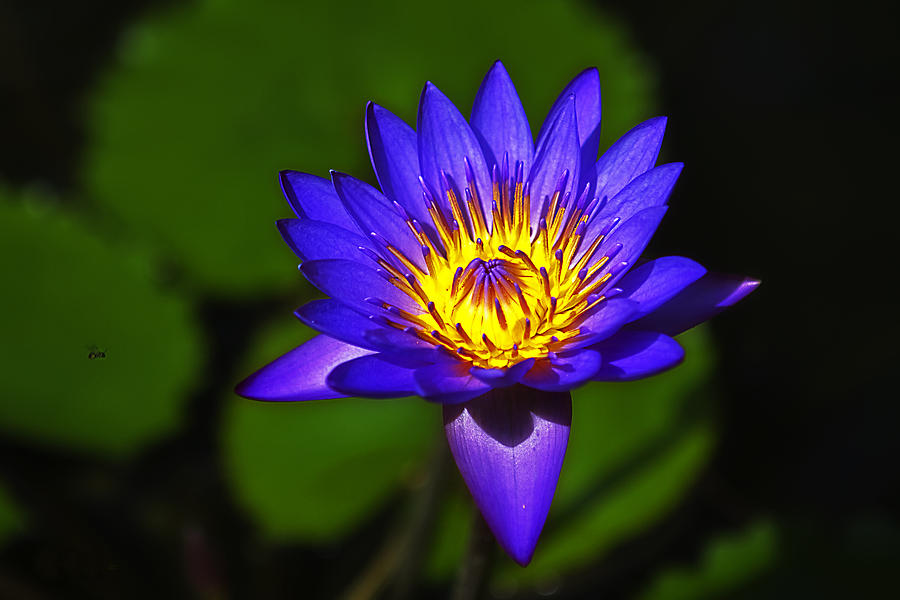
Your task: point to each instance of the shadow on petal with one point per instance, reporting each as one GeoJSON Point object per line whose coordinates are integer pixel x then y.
{"type": "Point", "coordinates": [509, 446]}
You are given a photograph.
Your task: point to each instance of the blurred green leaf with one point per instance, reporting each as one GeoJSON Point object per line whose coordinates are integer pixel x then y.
{"type": "Point", "coordinates": [95, 356]}
{"type": "Point", "coordinates": [11, 519]}
{"type": "Point", "coordinates": [633, 451]}
{"type": "Point", "coordinates": [208, 101]}
{"type": "Point", "coordinates": [311, 471]}
{"type": "Point", "coordinates": [729, 562]}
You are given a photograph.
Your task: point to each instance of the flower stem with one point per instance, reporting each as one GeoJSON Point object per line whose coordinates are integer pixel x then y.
{"type": "Point", "coordinates": [473, 572]}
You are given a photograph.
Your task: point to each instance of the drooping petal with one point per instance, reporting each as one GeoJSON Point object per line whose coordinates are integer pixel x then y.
{"type": "Point", "coordinates": [563, 372]}
{"type": "Point", "coordinates": [586, 89]}
{"type": "Point", "coordinates": [650, 189]}
{"type": "Point", "coordinates": [314, 198]}
{"type": "Point", "coordinates": [509, 447]}
{"type": "Point", "coordinates": [631, 355]}
{"type": "Point", "coordinates": [557, 154]}
{"type": "Point", "coordinates": [352, 283]}
{"type": "Point", "coordinates": [503, 377]}
{"type": "Point", "coordinates": [300, 374]}
{"type": "Point", "coordinates": [445, 139]}
{"type": "Point", "coordinates": [314, 240]}
{"type": "Point", "coordinates": [449, 382]}
{"type": "Point", "coordinates": [394, 152]}
{"type": "Point", "coordinates": [499, 120]}
{"type": "Point", "coordinates": [375, 213]}
{"type": "Point", "coordinates": [338, 320]}
{"type": "Point", "coordinates": [607, 320]}
{"type": "Point", "coordinates": [657, 281]}
{"type": "Point", "coordinates": [373, 376]}
{"type": "Point", "coordinates": [632, 154]}
{"type": "Point", "coordinates": [702, 300]}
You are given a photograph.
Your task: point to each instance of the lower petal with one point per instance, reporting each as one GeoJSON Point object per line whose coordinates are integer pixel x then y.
{"type": "Point", "coordinates": [702, 300]}
{"type": "Point", "coordinates": [373, 376]}
{"type": "Point", "coordinates": [564, 371]}
{"type": "Point", "coordinates": [632, 355]}
{"type": "Point", "coordinates": [509, 446]}
{"type": "Point", "coordinates": [449, 382]}
{"type": "Point", "coordinates": [655, 282]}
{"type": "Point", "coordinates": [300, 374]}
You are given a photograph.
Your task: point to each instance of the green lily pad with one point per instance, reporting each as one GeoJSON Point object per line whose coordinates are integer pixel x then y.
{"type": "Point", "coordinates": [634, 450]}
{"type": "Point", "coordinates": [12, 521]}
{"type": "Point", "coordinates": [96, 356]}
{"type": "Point", "coordinates": [312, 471]}
{"type": "Point", "coordinates": [728, 563]}
{"type": "Point", "coordinates": [207, 101]}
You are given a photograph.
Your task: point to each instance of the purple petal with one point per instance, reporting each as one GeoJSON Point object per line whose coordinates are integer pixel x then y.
{"type": "Point", "coordinates": [556, 153]}
{"type": "Point", "coordinates": [314, 240]}
{"type": "Point", "coordinates": [564, 371]}
{"type": "Point", "coordinates": [702, 300]}
{"type": "Point", "coordinates": [500, 122]}
{"type": "Point", "coordinates": [339, 321]}
{"type": "Point", "coordinates": [503, 377]}
{"type": "Point", "coordinates": [375, 213]}
{"type": "Point", "coordinates": [657, 281]}
{"type": "Point", "coordinates": [633, 235]}
{"type": "Point", "coordinates": [394, 152]}
{"type": "Point", "coordinates": [635, 354]}
{"type": "Point", "coordinates": [646, 191]}
{"type": "Point", "coordinates": [509, 447]}
{"type": "Point", "coordinates": [632, 154]}
{"type": "Point", "coordinates": [352, 283]}
{"type": "Point", "coordinates": [314, 198]}
{"type": "Point", "coordinates": [449, 382]}
{"type": "Point", "coordinates": [610, 316]}
{"type": "Point", "coordinates": [373, 376]}
{"type": "Point", "coordinates": [586, 89]}
{"type": "Point", "coordinates": [445, 140]}
{"type": "Point", "coordinates": [300, 374]}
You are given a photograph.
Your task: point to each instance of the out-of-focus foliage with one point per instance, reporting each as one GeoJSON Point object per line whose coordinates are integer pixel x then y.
{"type": "Point", "coordinates": [311, 471]}
{"type": "Point", "coordinates": [634, 450]}
{"type": "Point", "coordinates": [11, 518]}
{"type": "Point", "coordinates": [95, 355]}
{"type": "Point", "coordinates": [208, 101]}
{"type": "Point", "coordinates": [727, 563]}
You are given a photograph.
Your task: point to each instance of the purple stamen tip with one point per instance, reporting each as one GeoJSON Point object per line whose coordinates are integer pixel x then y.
{"type": "Point", "coordinates": [618, 268]}
{"type": "Point", "coordinates": [470, 173]}
{"type": "Point", "coordinates": [400, 210]}
{"type": "Point", "coordinates": [609, 226]}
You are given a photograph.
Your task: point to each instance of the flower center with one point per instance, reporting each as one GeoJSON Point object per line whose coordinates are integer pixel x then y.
{"type": "Point", "coordinates": [498, 294]}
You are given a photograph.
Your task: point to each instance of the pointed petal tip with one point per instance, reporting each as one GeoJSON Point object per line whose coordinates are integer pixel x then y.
{"type": "Point", "coordinates": [509, 446]}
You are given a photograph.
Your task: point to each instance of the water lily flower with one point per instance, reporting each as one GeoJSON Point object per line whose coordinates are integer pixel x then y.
{"type": "Point", "coordinates": [492, 274]}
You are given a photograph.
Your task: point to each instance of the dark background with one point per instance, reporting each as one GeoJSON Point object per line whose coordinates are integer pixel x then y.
{"type": "Point", "coordinates": [785, 113]}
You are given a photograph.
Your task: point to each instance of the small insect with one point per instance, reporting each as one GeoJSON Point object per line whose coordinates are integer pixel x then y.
{"type": "Point", "coordinates": [95, 353]}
